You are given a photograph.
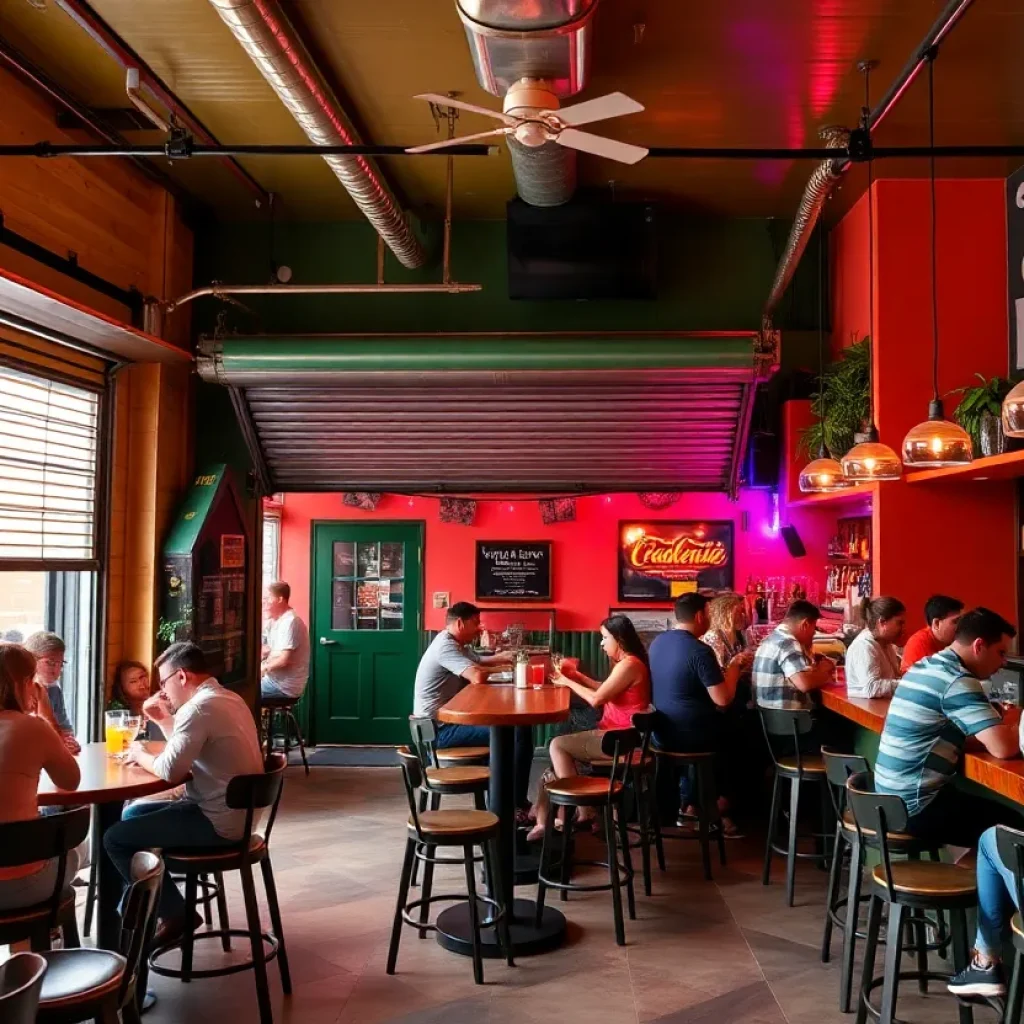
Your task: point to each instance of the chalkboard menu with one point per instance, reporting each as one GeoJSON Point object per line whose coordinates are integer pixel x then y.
{"type": "Point", "coordinates": [517, 570]}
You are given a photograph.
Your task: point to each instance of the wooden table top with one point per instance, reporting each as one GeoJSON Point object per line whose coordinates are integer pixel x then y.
{"type": "Point", "coordinates": [503, 704]}
{"type": "Point", "coordinates": [104, 780]}
{"type": "Point", "coordinates": [1003, 777]}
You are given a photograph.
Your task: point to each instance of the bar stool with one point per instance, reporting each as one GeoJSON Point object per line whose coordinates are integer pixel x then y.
{"type": "Point", "coordinates": [592, 791]}
{"type": "Point", "coordinates": [283, 710]}
{"type": "Point", "coordinates": [428, 830]}
{"type": "Point", "coordinates": [905, 887]}
{"type": "Point", "coordinates": [251, 793]}
{"type": "Point", "coordinates": [1010, 844]}
{"type": "Point", "coordinates": [799, 769]}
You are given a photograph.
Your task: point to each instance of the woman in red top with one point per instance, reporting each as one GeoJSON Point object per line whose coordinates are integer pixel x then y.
{"type": "Point", "coordinates": [626, 691]}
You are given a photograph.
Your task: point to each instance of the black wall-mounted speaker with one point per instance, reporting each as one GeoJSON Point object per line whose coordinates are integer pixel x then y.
{"type": "Point", "coordinates": [794, 545]}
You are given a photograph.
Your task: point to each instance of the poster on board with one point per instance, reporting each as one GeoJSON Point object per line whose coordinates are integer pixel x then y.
{"type": "Point", "coordinates": [661, 560]}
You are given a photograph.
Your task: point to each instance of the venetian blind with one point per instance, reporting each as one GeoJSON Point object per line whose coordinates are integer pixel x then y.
{"type": "Point", "coordinates": [48, 448]}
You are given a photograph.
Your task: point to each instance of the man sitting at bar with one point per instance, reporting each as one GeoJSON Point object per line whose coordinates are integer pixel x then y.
{"type": "Point", "coordinates": [785, 671]}
{"type": "Point", "coordinates": [937, 708]}
{"type": "Point", "coordinates": [941, 615]}
{"type": "Point", "coordinates": [449, 664]}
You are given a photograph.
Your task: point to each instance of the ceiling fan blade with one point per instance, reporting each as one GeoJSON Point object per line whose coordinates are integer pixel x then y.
{"type": "Point", "coordinates": [444, 143]}
{"type": "Point", "coordinates": [447, 101]}
{"type": "Point", "coordinates": [615, 104]}
{"type": "Point", "coordinates": [600, 146]}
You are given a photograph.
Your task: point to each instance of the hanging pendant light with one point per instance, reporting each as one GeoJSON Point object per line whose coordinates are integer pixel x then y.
{"type": "Point", "coordinates": [823, 475]}
{"type": "Point", "coordinates": [870, 460]}
{"type": "Point", "coordinates": [937, 442]}
{"type": "Point", "coordinates": [1013, 412]}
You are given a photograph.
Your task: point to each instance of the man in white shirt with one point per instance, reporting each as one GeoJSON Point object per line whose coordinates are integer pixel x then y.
{"type": "Point", "coordinates": [211, 739]}
{"type": "Point", "coordinates": [285, 666]}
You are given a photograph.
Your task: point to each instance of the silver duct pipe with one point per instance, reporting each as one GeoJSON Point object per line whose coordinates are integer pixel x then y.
{"type": "Point", "coordinates": [267, 36]}
{"type": "Point", "coordinates": [811, 203]}
{"type": "Point", "coordinates": [545, 175]}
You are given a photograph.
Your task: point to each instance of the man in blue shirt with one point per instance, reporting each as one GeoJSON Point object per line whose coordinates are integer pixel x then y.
{"type": "Point", "coordinates": [938, 707]}
{"type": "Point", "coordinates": [48, 649]}
{"type": "Point", "coordinates": [689, 689]}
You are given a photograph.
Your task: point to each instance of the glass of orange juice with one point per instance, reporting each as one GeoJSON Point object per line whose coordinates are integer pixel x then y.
{"type": "Point", "coordinates": [113, 732]}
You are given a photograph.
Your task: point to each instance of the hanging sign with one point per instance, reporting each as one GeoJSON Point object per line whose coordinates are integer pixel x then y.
{"type": "Point", "coordinates": [659, 561]}
{"type": "Point", "coordinates": [513, 570]}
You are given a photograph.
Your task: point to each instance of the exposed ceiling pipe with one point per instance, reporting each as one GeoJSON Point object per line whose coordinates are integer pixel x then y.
{"type": "Point", "coordinates": [824, 178]}
{"type": "Point", "coordinates": [270, 40]}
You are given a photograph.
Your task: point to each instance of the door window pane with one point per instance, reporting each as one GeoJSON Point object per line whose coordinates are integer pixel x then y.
{"type": "Point", "coordinates": [342, 605]}
{"type": "Point", "coordinates": [368, 560]}
{"type": "Point", "coordinates": [392, 560]}
{"type": "Point", "coordinates": [344, 558]}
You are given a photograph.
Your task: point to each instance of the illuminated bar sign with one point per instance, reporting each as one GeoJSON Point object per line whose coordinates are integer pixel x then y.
{"type": "Point", "coordinates": [659, 560]}
{"type": "Point", "coordinates": [513, 570]}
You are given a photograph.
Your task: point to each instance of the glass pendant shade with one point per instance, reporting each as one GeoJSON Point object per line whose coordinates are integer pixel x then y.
{"type": "Point", "coordinates": [937, 442]}
{"type": "Point", "coordinates": [1013, 412]}
{"type": "Point", "coordinates": [870, 460]}
{"type": "Point", "coordinates": [822, 476]}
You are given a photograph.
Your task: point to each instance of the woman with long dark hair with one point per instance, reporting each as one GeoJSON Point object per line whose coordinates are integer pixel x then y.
{"type": "Point", "coordinates": [873, 660]}
{"type": "Point", "coordinates": [626, 691]}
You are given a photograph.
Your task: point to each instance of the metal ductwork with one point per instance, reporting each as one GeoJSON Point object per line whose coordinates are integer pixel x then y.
{"type": "Point", "coordinates": [545, 40]}
{"type": "Point", "coordinates": [268, 37]}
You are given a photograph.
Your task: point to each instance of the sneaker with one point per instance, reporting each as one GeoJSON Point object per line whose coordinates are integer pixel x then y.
{"type": "Point", "coordinates": [975, 980]}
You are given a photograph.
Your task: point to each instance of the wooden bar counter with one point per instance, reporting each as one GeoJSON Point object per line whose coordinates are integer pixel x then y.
{"type": "Point", "coordinates": [1006, 778]}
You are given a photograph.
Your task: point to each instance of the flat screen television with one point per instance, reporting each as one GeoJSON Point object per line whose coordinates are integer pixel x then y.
{"type": "Point", "coordinates": [582, 250]}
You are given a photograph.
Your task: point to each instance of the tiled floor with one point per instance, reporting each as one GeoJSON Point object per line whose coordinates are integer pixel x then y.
{"type": "Point", "coordinates": [721, 952]}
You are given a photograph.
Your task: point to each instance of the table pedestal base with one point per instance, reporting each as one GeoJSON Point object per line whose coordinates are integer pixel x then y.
{"type": "Point", "coordinates": [454, 933]}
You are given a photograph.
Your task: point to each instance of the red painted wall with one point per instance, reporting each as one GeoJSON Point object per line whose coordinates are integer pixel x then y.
{"type": "Point", "coordinates": [848, 277]}
{"type": "Point", "coordinates": [584, 552]}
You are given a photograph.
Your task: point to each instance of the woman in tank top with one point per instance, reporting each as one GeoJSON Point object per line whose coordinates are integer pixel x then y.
{"type": "Point", "coordinates": [626, 691]}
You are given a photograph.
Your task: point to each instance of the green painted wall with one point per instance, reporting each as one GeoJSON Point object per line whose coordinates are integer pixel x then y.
{"type": "Point", "coordinates": [712, 275]}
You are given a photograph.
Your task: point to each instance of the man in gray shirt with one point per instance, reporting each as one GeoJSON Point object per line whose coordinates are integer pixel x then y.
{"type": "Point", "coordinates": [449, 664]}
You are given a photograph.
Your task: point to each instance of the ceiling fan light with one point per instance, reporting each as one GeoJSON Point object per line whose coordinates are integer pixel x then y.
{"type": "Point", "coordinates": [1013, 412]}
{"type": "Point", "coordinates": [822, 476]}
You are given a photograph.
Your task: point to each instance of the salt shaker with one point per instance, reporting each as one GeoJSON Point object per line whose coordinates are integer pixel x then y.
{"type": "Point", "coordinates": [522, 670]}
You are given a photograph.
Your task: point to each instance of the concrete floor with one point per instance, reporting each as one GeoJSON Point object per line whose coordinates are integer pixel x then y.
{"type": "Point", "coordinates": [720, 952]}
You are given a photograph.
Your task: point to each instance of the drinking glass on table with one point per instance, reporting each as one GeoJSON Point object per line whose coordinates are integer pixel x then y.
{"type": "Point", "coordinates": [556, 661]}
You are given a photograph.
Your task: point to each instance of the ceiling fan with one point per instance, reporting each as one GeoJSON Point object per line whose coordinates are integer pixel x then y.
{"type": "Point", "coordinates": [531, 116]}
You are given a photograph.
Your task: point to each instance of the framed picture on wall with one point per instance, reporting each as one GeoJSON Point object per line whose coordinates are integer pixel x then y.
{"type": "Point", "coordinates": [659, 560]}
{"type": "Point", "coordinates": [513, 570]}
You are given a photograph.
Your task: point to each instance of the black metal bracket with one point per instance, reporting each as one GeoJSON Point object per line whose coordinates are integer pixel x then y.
{"type": "Point", "coordinates": [860, 148]}
{"type": "Point", "coordinates": [179, 145]}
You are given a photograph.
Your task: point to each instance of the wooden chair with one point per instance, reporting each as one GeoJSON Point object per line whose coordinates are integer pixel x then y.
{"type": "Point", "coordinates": [51, 837]}
{"type": "Point", "coordinates": [905, 888]}
{"type": "Point", "coordinates": [252, 794]}
{"type": "Point", "coordinates": [97, 984]}
{"type": "Point", "coordinates": [592, 791]}
{"type": "Point", "coordinates": [428, 830]}
{"type": "Point", "coordinates": [21, 979]}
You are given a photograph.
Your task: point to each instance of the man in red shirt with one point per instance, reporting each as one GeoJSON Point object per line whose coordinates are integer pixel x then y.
{"type": "Point", "coordinates": [942, 615]}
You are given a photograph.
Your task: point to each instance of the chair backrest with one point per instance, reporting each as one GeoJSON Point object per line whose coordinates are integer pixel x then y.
{"type": "Point", "coordinates": [51, 837]}
{"type": "Point", "coordinates": [619, 745]}
{"type": "Point", "coordinates": [252, 793]}
{"type": "Point", "coordinates": [412, 776]}
{"type": "Point", "coordinates": [424, 740]}
{"type": "Point", "coordinates": [139, 917]}
{"type": "Point", "coordinates": [838, 768]}
{"type": "Point", "coordinates": [643, 722]}
{"type": "Point", "coordinates": [1010, 844]}
{"type": "Point", "coordinates": [785, 724]}
{"type": "Point", "coordinates": [882, 813]}
{"type": "Point", "coordinates": [21, 980]}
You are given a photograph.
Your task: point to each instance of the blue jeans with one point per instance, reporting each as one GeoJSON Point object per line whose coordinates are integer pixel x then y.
{"type": "Point", "coordinates": [268, 688]}
{"type": "Point", "coordinates": [164, 826]}
{"type": "Point", "coordinates": [480, 736]}
{"type": "Point", "coordinates": [996, 894]}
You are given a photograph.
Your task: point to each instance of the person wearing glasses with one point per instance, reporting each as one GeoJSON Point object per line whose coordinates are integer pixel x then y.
{"type": "Point", "coordinates": [48, 649]}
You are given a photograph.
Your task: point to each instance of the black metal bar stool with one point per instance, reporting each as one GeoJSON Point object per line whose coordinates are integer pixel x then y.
{"type": "Point", "coordinates": [592, 791]}
{"type": "Point", "coordinates": [427, 830]}
{"type": "Point", "coordinates": [282, 710]}
{"type": "Point", "coordinates": [799, 769]}
{"type": "Point", "coordinates": [1010, 844]}
{"type": "Point", "coordinates": [906, 889]}
{"type": "Point", "coordinates": [849, 848]}
{"type": "Point", "coordinates": [251, 793]}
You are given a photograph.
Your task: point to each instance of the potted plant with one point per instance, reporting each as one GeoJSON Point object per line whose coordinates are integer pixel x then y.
{"type": "Point", "coordinates": [979, 413]}
{"type": "Point", "coordinates": [840, 405]}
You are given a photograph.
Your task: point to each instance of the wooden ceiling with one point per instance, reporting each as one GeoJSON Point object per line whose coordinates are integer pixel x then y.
{"type": "Point", "coordinates": [731, 73]}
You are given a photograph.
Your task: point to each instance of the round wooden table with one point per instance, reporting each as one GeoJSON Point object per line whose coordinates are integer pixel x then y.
{"type": "Point", "coordinates": [107, 783]}
{"type": "Point", "coordinates": [503, 708]}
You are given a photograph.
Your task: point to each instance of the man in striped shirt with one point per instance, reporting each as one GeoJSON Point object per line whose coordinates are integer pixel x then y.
{"type": "Point", "coordinates": [938, 706]}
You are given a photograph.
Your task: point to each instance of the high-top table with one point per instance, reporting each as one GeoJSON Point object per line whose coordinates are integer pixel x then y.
{"type": "Point", "coordinates": [107, 783]}
{"type": "Point", "coordinates": [503, 708]}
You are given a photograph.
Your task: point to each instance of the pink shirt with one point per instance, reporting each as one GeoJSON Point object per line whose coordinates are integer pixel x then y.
{"type": "Point", "coordinates": [618, 713]}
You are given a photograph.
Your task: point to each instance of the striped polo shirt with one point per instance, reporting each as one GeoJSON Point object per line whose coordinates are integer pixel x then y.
{"type": "Point", "coordinates": [936, 707]}
{"type": "Point", "coordinates": [780, 657]}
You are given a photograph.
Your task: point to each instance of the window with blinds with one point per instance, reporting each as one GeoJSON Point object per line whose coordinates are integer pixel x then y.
{"type": "Point", "coordinates": [48, 465]}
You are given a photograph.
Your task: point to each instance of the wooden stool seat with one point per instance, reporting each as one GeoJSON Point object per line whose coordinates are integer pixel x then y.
{"type": "Point", "coordinates": [463, 754]}
{"type": "Point", "coordinates": [894, 837]}
{"type": "Point", "coordinates": [279, 702]}
{"type": "Point", "coordinates": [459, 775]}
{"type": "Point", "coordinates": [212, 859]}
{"type": "Point", "coordinates": [583, 789]}
{"type": "Point", "coordinates": [683, 756]}
{"type": "Point", "coordinates": [79, 978]}
{"type": "Point", "coordinates": [925, 878]}
{"type": "Point", "coordinates": [460, 824]}
{"type": "Point", "coordinates": [812, 764]}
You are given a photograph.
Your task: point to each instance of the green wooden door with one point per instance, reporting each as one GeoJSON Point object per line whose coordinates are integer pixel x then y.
{"type": "Point", "coordinates": [367, 597]}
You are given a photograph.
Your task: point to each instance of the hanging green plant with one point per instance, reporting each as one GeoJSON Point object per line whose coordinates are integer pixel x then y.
{"type": "Point", "coordinates": [840, 405]}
